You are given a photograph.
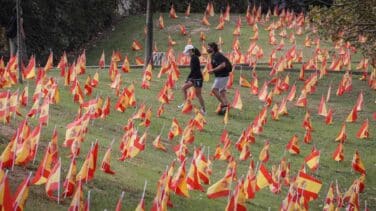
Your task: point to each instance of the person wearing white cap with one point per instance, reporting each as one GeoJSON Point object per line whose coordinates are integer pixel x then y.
{"type": "Point", "coordinates": [194, 78]}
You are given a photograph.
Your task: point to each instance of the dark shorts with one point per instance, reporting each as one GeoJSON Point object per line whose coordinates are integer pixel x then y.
{"type": "Point", "coordinates": [196, 82]}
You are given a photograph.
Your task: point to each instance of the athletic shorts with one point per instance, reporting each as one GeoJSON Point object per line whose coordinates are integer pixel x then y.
{"type": "Point", "coordinates": [220, 83]}
{"type": "Point", "coordinates": [197, 83]}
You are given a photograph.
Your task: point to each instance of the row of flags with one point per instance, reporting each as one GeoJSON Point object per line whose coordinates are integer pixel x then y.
{"type": "Point", "coordinates": [303, 187]}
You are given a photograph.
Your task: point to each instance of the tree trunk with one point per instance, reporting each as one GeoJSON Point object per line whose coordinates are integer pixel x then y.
{"type": "Point", "coordinates": [19, 41]}
{"type": "Point", "coordinates": [149, 34]}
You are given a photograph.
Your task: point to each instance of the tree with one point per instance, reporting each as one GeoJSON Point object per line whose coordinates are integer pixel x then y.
{"type": "Point", "coordinates": [347, 20]}
{"type": "Point", "coordinates": [149, 34]}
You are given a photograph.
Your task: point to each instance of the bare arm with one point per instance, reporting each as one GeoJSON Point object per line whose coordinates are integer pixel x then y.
{"type": "Point", "coordinates": [220, 67]}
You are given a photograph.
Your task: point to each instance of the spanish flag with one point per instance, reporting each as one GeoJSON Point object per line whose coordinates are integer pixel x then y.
{"type": "Point", "coordinates": [263, 178]}
{"type": "Point", "coordinates": [179, 182]}
{"type": "Point", "coordinates": [77, 202]}
{"type": "Point", "coordinates": [221, 188]}
{"type": "Point", "coordinates": [70, 180]}
{"type": "Point", "coordinates": [205, 20]}
{"type": "Point", "coordinates": [329, 200]}
{"type": "Point", "coordinates": [357, 163]}
{"type": "Point", "coordinates": [363, 130]}
{"type": "Point", "coordinates": [29, 71]}
{"type": "Point", "coordinates": [172, 12]}
{"type": "Point", "coordinates": [158, 144]}
{"type": "Point", "coordinates": [49, 63]}
{"type": "Point", "coordinates": [5, 194]}
{"type": "Point", "coordinates": [308, 186]}
{"type": "Point", "coordinates": [175, 129]}
{"type": "Point", "coordinates": [237, 102]}
{"type": "Point", "coordinates": [293, 146]}
{"type": "Point", "coordinates": [342, 134]}
{"type": "Point", "coordinates": [106, 162]}
{"type": "Point", "coordinates": [264, 153]}
{"type": "Point", "coordinates": [322, 111]}
{"type": "Point", "coordinates": [53, 181]}
{"type": "Point", "coordinates": [102, 61]}
{"type": "Point", "coordinates": [338, 154]}
{"type": "Point", "coordinates": [21, 195]}
{"type": "Point", "coordinates": [161, 22]}
{"type": "Point", "coordinates": [313, 159]}
{"type": "Point", "coordinates": [136, 46]}
{"type": "Point", "coordinates": [353, 115]}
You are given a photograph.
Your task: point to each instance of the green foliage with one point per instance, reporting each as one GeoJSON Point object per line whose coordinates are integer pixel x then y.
{"type": "Point", "coordinates": [351, 17]}
{"type": "Point", "coordinates": [61, 25]}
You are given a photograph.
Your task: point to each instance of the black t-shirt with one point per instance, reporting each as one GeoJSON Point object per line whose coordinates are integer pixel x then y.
{"type": "Point", "coordinates": [195, 68]}
{"type": "Point", "coordinates": [216, 59]}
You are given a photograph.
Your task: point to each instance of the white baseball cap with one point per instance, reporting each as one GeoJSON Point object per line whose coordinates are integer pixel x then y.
{"type": "Point", "coordinates": [187, 48]}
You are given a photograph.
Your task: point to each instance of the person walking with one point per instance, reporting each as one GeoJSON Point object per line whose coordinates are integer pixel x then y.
{"type": "Point", "coordinates": [194, 78]}
{"type": "Point", "coordinates": [221, 70]}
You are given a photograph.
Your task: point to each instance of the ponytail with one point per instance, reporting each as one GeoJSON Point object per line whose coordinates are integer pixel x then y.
{"type": "Point", "coordinates": [196, 52]}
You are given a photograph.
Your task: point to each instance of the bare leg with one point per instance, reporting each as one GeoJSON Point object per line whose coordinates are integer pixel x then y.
{"type": "Point", "coordinates": [185, 87]}
{"type": "Point", "coordinates": [200, 99]}
{"type": "Point", "coordinates": [216, 93]}
{"type": "Point", "coordinates": [224, 97]}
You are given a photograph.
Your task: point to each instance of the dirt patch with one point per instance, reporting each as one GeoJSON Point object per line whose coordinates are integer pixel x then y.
{"type": "Point", "coordinates": [6, 131]}
{"type": "Point", "coordinates": [200, 29]}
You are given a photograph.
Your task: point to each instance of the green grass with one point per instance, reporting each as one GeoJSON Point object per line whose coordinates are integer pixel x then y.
{"type": "Point", "coordinates": [149, 164]}
{"type": "Point", "coordinates": [123, 34]}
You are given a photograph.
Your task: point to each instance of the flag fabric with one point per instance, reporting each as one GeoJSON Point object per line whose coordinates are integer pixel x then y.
{"type": "Point", "coordinates": [338, 154]}
{"type": "Point", "coordinates": [222, 187]}
{"type": "Point", "coordinates": [263, 178]}
{"type": "Point", "coordinates": [21, 194]}
{"type": "Point", "coordinates": [193, 179]}
{"type": "Point", "coordinates": [341, 137]}
{"type": "Point", "coordinates": [329, 117]}
{"type": "Point", "coordinates": [175, 129]}
{"type": "Point", "coordinates": [237, 102]}
{"type": "Point", "coordinates": [292, 146]}
{"type": "Point", "coordinates": [102, 61]}
{"type": "Point", "coordinates": [179, 182]}
{"type": "Point", "coordinates": [357, 163]}
{"type": "Point", "coordinates": [264, 153]}
{"type": "Point", "coordinates": [5, 194]}
{"type": "Point", "coordinates": [237, 200]}
{"type": "Point", "coordinates": [312, 160]}
{"type": "Point", "coordinates": [29, 71]}
{"type": "Point", "coordinates": [172, 12]}
{"type": "Point", "coordinates": [119, 203]}
{"type": "Point", "coordinates": [45, 166]}
{"type": "Point", "coordinates": [49, 63]}
{"type": "Point", "coordinates": [308, 185]}
{"type": "Point", "coordinates": [353, 115]}
{"type": "Point", "coordinates": [157, 143]}
{"type": "Point", "coordinates": [70, 180]}
{"type": "Point", "coordinates": [106, 162]}
{"type": "Point", "coordinates": [322, 111]}
{"type": "Point", "coordinates": [77, 202]}
{"type": "Point", "coordinates": [89, 166]}
{"type": "Point", "coordinates": [363, 131]}
{"type": "Point", "coordinates": [136, 46]}
{"type": "Point", "coordinates": [53, 182]}
{"type": "Point", "coordinates": [329, 199]}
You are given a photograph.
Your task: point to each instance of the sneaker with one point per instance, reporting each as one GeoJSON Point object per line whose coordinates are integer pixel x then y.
{"type": "Point", "coordinates": [181, 106]}
{"type": "Point", "coordinates": [222, 110]}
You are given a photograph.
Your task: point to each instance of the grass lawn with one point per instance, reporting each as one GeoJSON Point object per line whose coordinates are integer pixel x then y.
{"type": "Point", "coordinates": [149, 164]}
